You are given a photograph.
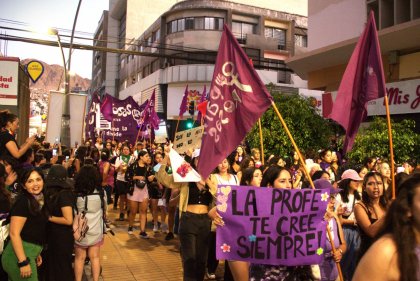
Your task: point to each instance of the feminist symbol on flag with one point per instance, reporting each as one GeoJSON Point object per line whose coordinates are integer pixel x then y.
{"type": "Point", "coordinates": [222, 80]}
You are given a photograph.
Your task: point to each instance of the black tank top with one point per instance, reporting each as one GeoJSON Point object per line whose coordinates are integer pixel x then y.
{"type": "Point", "coordinates": [197, 196]}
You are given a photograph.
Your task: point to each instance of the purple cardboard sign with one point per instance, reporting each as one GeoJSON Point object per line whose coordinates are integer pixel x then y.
{"type": "Point", "coordinates": [271, 226]}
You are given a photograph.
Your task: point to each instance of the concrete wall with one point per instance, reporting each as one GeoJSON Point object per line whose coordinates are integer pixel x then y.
{"type": "Point", "coordinates": [333, 21]}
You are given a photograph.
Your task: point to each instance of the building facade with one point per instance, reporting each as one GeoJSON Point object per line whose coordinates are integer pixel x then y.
{"type": "Point", "coordinates": [180, 48]}
{"type": "Point", "coordinates": [335, 27]}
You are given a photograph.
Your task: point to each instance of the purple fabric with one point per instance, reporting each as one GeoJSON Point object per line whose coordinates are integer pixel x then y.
{"type": "Point", "coordinates": [106, 107]}
{"type": "Point", "coordinates": [90, 121]}
{"type": "Point", "coordinates": [238, 98]}
{"type": "Point", "coordinates": [125, 118]}
{"type": "Point", "coordinates": [271, 226]}
{"type": "Point", "coordinates": [184, 104]}
{"type": "Point", "coordinates": [149, 120]}
{"type": "Point", "coordinates": [327, 267]}
{"type": "Point", "coordinates": [362, 81]}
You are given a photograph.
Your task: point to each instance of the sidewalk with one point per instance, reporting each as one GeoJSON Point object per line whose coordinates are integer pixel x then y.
{"type": "Point", "coordinates": [127, 257]}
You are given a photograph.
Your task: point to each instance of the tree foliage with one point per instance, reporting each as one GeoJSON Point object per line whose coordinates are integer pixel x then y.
{"type": "Point", "coordinates": [310, 131]}
{"type": "Point", "coordinates": [373, 141]}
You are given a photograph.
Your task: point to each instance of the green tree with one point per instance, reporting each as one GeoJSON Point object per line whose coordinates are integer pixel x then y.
{"type": "Point", "coordinates": [310, 131]}
{"type": "Point", "coordinates": [373, 141]}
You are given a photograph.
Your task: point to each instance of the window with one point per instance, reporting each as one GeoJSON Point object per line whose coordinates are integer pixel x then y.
{"type": "Point", "coordinates": [301, 40]}
{"type": "Point", "coordinates": [241, 29]}
{"type": "Point", "coordinates": [278, 34]}
{"type": "Point", "coordinates": [209, 23]}
{"type": "Point", "coordinates": [172, 27]}
{"type": "Point", "coordinates": [199, 23]}
{"type": "Point", "coordinates": [181, 24]}
{"type": "Point", "coordinates": [156, 35]}
{"type": "Point", "coordinates": [189, 23]}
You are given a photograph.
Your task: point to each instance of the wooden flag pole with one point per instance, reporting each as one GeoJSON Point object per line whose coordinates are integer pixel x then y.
{"type": "Point", "coordinates": [176, 129]}
{"type": "Point", "coordinates": [294, 144]}
{"type": "Point", "coordinates": [112, 123]}
{"type": "Point", "coordinates": [340, 273]}
{"type": "Point", "coordinates": [391, 148]}
{"type": "Point", "coordinates": [261, 141]}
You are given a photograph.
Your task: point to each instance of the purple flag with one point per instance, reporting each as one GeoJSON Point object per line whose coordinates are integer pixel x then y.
{"type": "Point", "coordinates": [90, 122]}
{"type": "Point", "coordinates": [362, 81]}
{"type": "Point", "coordinates": [184, 104]}
{"type": "Point", "coordinates": [125, 117]}
{"type": "Point", "coordinates": [271, 226]}
{"type": "Point", "coordinates": [202, 99]}
{"type": "Point", "coordinates": [106, 107]}
{"type": "Point", "coordinates": [149, 118]}
{"type": "Point", "coordinates": [238, 98]}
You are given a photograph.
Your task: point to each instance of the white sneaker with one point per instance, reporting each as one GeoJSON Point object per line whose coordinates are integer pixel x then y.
{"type": "Point", "coordinates": [155, 227]}
{"type": "Point", "coordinates": [164, 227]}
{"type": "Point", "coordinates": [211, 276]}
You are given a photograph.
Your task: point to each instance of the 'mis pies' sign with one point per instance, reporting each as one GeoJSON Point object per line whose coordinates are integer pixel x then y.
{"type": "Point", "coordinates": [271, 226]}
{"type": "Point", "coordinates": [188, 139]}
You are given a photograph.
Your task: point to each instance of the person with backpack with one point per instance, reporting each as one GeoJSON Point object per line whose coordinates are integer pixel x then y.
{"type": "Point", "coordinates": [60, 201]}
{"type": "Point", "coordinates": [91, 202]}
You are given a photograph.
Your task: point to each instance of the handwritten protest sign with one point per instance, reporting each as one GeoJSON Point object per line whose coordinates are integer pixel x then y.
{"type": "Point", "coordinates": [271, 226]}
{"type": "Point", "coordinates": [188, 139]}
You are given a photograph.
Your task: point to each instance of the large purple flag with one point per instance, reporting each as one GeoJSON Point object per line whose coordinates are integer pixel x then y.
{"type": "Point", "coordinates": [106, 107]}
{"type": "Point", "coordinates": [272, 226]}
{"type": "Point", "coordinates": [238, 98]}
{"type": "Point", "coordinates": [125, 117]}
{"type": "Point", "coordinates": [184, 103]}
{"type": "Point", "coordinates": [149, 119]}
{"type": "Point", "coordinates": [362, 81]}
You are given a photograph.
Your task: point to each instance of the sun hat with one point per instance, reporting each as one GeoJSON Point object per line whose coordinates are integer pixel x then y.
{"type": "Point", "coordinates": [325, 184]}
{"type": "Point", "coordinates": [351, 174]}
{"type": "Point", "coordinates": [57, 176]}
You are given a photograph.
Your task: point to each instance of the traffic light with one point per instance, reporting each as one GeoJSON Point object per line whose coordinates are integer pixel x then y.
{"type": "Point", "coordinates": [191, 107]}
{"type": "Point", "coordinates": [190, 124]}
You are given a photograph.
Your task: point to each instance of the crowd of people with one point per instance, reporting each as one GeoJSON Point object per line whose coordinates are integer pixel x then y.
{"type": "Point", "coordinates": [44, 186]}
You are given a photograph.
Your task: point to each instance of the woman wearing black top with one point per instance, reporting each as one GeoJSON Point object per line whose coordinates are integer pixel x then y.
{"type": "Point", "coordinates": [27, 229]}
{"type": "Point", "coordinates": [9, 123]}
{"type": "Point", "coordinates": [60, 201]}
{"type": "Point", "coordinates": [5, 201]}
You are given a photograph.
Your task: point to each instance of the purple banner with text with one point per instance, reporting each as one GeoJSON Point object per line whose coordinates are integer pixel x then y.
{"type": "Point", "coordinates": [271, 226]}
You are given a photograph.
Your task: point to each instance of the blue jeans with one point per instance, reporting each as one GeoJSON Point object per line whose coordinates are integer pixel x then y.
{"type": "Point", "coordinates": [349, 260]}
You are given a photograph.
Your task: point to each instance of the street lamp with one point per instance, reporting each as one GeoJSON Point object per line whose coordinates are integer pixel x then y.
{"type": "Point", "coordinates": [65, 117]}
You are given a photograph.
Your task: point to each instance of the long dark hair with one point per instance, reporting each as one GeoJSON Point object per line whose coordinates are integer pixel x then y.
{"type": "Point", "coordinates": [345, 190]}
{"type": "Point", "coordinates": [87, 180]}
{"type": "Point", "coordinates": [247, 175]}
{"type": "Point", "coordinates": [272, 174]}
{"type": "Point", "coordinates": [4, 193]}
{"type": "Point", "coordinates": [399, 224]}
{"type": "Point", "coordinates": [5, 117]}
{"type": "Point", "coordinates": [34, 206]}
{"type": "Point", "coordinates": [365, 197]}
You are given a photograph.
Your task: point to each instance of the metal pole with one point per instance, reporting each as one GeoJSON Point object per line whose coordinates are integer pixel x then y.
{"type": "Point", "coordinates": [65, 118]}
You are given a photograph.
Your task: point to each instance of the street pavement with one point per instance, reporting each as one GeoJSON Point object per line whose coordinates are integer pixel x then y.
{"type": "Point", "coordinates": [127, 257]}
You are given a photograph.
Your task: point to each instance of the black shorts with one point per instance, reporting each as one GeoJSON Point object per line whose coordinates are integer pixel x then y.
{"type": "Point", "coordinates": [154, 191]}
{"type": "Point", "coordinates": [122, 187]}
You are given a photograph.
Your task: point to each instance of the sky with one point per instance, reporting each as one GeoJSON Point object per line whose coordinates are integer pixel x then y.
{"type": "Point", "coordinates": [59, 14]}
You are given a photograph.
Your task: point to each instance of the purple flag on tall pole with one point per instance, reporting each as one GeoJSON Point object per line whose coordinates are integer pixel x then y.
{"type": "Point", "coordinates": [363, 80]}
{"type": "Point", "coordinates": [184, 103]}
{"type": "Point", "coordinates": [238, 98]}
{"type": "Point", "coordinates": [106, 107]}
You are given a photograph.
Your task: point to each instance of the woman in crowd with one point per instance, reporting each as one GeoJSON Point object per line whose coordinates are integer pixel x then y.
{"type": "Point", "coordinates": [370, 163]}
{"type": "Point", "coordinates": [396, 255]}
{"type": "Point", "coordinates": [233, 160]}
{"type": "Point", "coordinates": [194, 226]}
{"type": "Point", "coordinates": [370, 211]}
{"type": "Point", "coordinates": [107, 172]}
{"type": "Point", "coordinates": [122, 187]}
{"type": "Point", "coordinates": [5, 203]}
{"type": "Point", "coordinates": [60, 201]}
{"type": "Point", "coordinates": [79, 160]}
{"type": "Point", "coordinates": [156, 193]}
{"type": "Point", "coordinates": [90, 199]}
{"type": "Point", "coordinates": [256, 156]}
{"type": "Point", "coordinates": [326, 157]}
{"type": "Point", "coordinates": [241, 154]}
{"type": "Point", "coordinates": [345, 202]}
{"type": "Point", "coordinates": [139, 175]}
{"type": "Point", "coordinates": [277, 177]}
{"type": "Point", "coordinates": [296, 170]}
{"type": "Point", "coordinates": [9, 124]}
{"type": "Point", "coordinates": [385, 172]}
{"type": "Point", "coordinates": [247, 162]}
{"type": "Point", "coordinates": [27, 229]}
{"type": "Point", "coordinates": [221, 176]}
